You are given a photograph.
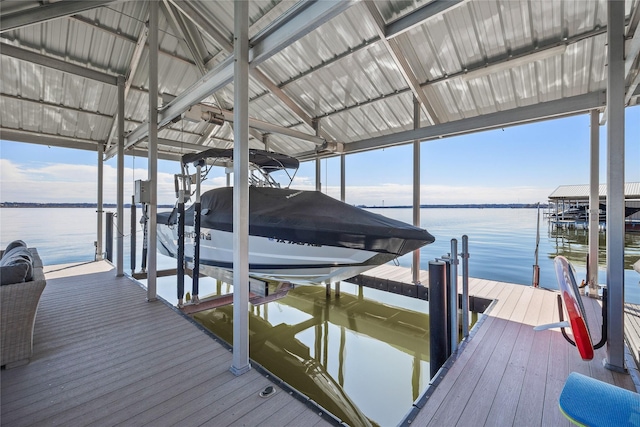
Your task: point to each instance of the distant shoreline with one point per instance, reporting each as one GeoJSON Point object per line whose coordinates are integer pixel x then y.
{"type": "Point", "coordinates": [434, 206]}
{"type": "Point", "coordinates": [464, 205]}
{"type": "Point", "coordinates": [65, 205]}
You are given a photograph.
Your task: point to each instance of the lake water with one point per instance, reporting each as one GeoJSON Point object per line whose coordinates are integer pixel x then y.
{"type": "Point", "coordinates": [364, 356]}
{"type": "Point", "coordinates": [501, 241]}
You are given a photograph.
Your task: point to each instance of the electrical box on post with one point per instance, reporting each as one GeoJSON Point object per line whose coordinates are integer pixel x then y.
{"type": "Point", "coordinates": [142, 194]}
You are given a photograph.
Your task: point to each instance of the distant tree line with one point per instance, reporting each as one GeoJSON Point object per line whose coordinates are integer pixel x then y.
{"type": "Point", "coordinates": [64, 205]}
{"type": "Point", "coordinates": [465, 205]}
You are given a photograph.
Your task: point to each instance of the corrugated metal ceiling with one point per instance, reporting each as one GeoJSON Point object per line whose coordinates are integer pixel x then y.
{"type": "Point", "coordinates": [462, 59]}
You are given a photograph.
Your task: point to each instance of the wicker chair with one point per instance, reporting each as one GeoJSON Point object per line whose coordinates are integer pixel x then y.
{"type": "Point", "coordinates": [19, 303]}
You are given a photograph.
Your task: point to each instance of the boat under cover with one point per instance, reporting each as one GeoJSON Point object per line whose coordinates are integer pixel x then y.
{"type": "Point", "coordinates": [294, 235]}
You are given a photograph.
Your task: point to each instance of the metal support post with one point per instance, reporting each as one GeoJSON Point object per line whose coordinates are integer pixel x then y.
{"type": "Point", "coordinates": [240, 361]}
{"type": "Point", "coordinates": [415, 265]}
{"type": "Point", "coordinates": [453, 297]}
{"type": "Point", "coordinates": [152, 242]}
{"type": "Point", "coordinates": [99, 240]}
{"type": "Point", "coordinates": [197, 209]}
{"type": "Point", "coordinates": [133, 226]}
{"type": "Point", "coordinates": [180, 257]}
{"type": "Point", "coordinates": [120, 179]}
{"type": "Point", "coordinates": [343, 194]}
{"type": "Point", "coordinates": [594, 204]}
{"type": "Point", "coordinates": [439, 333]}
{"type": "Point", "coordinates": [465, 285]}
{"type": "Point", "coordinates": [316, 127]}
{"type": "Point", "coordinates": [615, 183]}
{"type": "Point", "coordinates": [536, 267]}
{"type": "Point", "coordinates": [145, 236]}
{"type": "Point", "coordinates": [109, 236]}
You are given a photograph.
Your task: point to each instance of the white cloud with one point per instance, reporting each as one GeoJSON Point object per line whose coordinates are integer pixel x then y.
{"type": "Point", "coordinates": [70, 183]}
{"type": "Point", "coordinates": [62, 183]}
{"type": "Point", "coordinates": [399, 194]}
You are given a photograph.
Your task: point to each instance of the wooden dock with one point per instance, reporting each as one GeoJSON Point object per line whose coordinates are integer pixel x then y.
{"type": "Point", "coordinates": [632, 329]}
{"type": "Point", "coordinates": [507, 374]}
{"type": "Point", "coordinates": [104, 356]}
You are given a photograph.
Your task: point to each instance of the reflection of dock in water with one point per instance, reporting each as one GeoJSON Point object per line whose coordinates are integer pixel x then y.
{"type": "Point", "coordinates": [278, 348]}
{"type": "Point", "coordinates": [573, 244]}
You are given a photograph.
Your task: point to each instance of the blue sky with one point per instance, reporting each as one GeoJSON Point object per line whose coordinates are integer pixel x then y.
{"type": "Point", "coordinates": [518, 164]}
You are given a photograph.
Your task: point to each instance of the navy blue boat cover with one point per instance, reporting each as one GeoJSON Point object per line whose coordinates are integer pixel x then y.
{"type": "Point", "coordinates": [307, 217]}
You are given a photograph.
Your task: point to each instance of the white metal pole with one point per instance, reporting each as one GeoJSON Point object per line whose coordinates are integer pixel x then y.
{"type": "Point", "coordinates": [465, 286]}
{"type": "Point", "coordinates": [316, 127]}
{"type": "Point", "coordinates": [343, 180]}
{"type": "Point", "coordinates": [120, 191]}
{"type": "Point", "coordinates": [415, 266]}
{"type": "Point", "coordinates": [453, 296]}
{"type": "Point", "coordinates": [153, 151]}
{"type": "Point", "coordinates": [615, 184]}
{"type": "Point", "coordinates": [241, 190]}
{"type": "Point", "coordinates": [594, 203]}
{"type": "Point", "coordinates": [99, 210]}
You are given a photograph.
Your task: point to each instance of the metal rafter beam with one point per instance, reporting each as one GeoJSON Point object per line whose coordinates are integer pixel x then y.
{"type": "Point", "coordinates": [296, 23]}
{"type": "Point", "coordinates": [54, 105]}
{"type": "Point", "coordinates": [47, 12]}
{"type": "Point", "coordinates": [122, 36]}
{"type": "Point", "coordinates": [57, 64]}
{"type": "Point", "coordinates": [418, 16]}
{"type": "Point", "coordinates": [39, 138]}
{"type": "Point", "coordinates": [203, 22]}
{"type": "Point", "coordinates": [632, 56]}
{"type": "Point", "coordinates": [273, 39]}
{"type": "Point", "coordinates": [181, 33]}
{"type": "Point", "coordinates": [633, 90]}
{"type": "Point", "coordinates": [20, 135]}
{"type": "Point", "coordinates": [544, 110]}
{"type": "Point", "coordinates": [133, 67]}
{"type": "Point", "coordinates": [401, 62]}
{"type": "Point", "coordinates": [211, 29]}
{"type": "Point", "coordinates": [271, 128]}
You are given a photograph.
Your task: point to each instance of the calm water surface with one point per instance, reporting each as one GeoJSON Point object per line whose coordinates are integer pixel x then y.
{"type": "Point", "coordinates": [365, 355]}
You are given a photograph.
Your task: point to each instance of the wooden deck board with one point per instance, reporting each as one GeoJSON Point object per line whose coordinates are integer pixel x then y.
{"type": "Point", "coordinates": [451, 397]}
{"type": "Point", "coordinates": [508, 374]}
{"type": "Point", "coordinates": [503, 406]}
{"type": "Point", "coordinates": [103, 356]}
{"type": "Point", "coordinates": [632, 329]}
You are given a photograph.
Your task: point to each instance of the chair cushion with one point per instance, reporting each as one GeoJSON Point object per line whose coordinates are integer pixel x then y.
{"type": "Point", "coordinates": [15, 244]}
{"type": "Point", "coordinates": [16, 266]}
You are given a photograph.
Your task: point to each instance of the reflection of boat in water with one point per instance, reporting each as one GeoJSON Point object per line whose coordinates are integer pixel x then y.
{"type": "Point", "coordinates": [298, 236]}
{"type": "Point", "coordinates": [302, 351]}
{"type": "Point", "coordinates": [636, 266]}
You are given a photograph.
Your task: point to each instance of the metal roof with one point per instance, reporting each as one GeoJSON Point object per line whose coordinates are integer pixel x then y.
{"type": "Point", "coordinates": [352, 67]}
{"type": "Point", "coordinates": [581, 192]}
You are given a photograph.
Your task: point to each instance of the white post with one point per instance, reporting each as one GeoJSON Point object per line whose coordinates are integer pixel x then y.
{"type": "Point", "coordinates": [594, 203]}
{"type": "Point", "coordinates": [240, 362]}
{"type": "Point", "coordinates": [120, 190]}
{"type": "Point", "coordinates": [415, 266]}
{"type": "Point", "coordinates": [153, 152]}
{"type": "Point", "coordinates": [343, 180]}
{"type": "Point", "coordinates": [99, 210]}
{"type": "Point", "coordinates": [316, 127]}
{"type": "Point", "coordinates": [615, 184]}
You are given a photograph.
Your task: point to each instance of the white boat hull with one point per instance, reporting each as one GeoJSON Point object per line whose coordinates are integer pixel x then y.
{"type": "Point", "coordinates": [273, 259]}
